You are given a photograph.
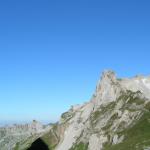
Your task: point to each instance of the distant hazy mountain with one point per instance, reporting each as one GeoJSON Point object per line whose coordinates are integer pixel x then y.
{"type": "Point", "coordinates": [116, 118]}
{"type": "Point", "coordinates": [21, 136]}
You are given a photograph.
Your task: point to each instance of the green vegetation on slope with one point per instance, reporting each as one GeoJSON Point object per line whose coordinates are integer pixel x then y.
{"type": "Point", "coordinates": [50, 140]}
{"type": "Point", "coordinates": [103, 109]}
{"type": "Point", "coordinates": [80, 146]}
{"type": "Point", "coordinates": [136, 138]}
{"type": "Point", "coordinates": [23, 145]}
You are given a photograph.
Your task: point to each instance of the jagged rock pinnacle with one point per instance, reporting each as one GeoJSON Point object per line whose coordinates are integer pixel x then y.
{"type": "Point", "coordinates": [107, 88]}
{"type": "Point", "coordinates": [107, 76]}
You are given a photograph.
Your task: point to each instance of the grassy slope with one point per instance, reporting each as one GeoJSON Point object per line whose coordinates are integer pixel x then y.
{"type": "Point", "coordinates": [80, 146]}
{"type": "Point", "coordinates": [136, 137]}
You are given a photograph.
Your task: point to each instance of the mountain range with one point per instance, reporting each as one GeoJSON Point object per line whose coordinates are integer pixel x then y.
{"type": "Point", "coordinates": [117, 117]}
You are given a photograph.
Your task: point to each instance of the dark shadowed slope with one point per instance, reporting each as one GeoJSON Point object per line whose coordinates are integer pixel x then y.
{"type": "Point", "coordinates": [38, 145]}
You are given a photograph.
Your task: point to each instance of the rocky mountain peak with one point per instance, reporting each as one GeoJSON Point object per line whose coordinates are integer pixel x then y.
{"type": "Point", "coordinates": [109, 75]}
{"type": "Point", "coordinates": [107, 88]}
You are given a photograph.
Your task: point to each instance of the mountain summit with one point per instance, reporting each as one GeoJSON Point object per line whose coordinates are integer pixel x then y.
{"type": "Point", "coordinates": [116, 118]}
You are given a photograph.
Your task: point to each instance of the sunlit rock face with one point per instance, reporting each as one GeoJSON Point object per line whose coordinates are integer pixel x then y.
{"type": "Point", "coordinates": [107, 89]}
{"type": "Point", "coordinates": [116, 118]}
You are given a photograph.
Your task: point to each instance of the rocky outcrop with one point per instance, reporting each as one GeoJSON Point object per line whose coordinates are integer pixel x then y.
{"type": "Point", "coordinates": [107, 89]}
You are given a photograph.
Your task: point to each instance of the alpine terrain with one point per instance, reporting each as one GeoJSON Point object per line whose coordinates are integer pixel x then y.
{"type": "Point", "coordinates": [116, 118]}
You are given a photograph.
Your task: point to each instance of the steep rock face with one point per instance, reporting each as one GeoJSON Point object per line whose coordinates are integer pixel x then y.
{"type": "Point", "coordinates": [107, 89]}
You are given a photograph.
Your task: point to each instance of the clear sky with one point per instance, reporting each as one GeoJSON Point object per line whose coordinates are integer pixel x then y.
{"type": "Point", "coordinates": [52, 52]}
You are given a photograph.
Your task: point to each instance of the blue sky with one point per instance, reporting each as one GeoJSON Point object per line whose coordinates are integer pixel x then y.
{"type": "Point", "coordinates": [53, 52]}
